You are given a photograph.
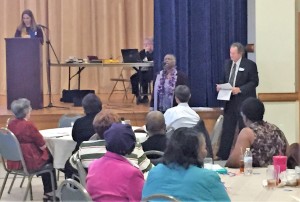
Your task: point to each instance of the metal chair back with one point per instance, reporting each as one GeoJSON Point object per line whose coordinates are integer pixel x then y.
{"type": "Point", "coordinates": [70, 190]}
{"type": "Point", "coordinates": [67, 120]}
{"type": "Point", "coordinates": [160, 197]}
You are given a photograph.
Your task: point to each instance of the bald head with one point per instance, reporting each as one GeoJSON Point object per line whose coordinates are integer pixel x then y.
{"type": "Point", "coordinates": [155, 123]}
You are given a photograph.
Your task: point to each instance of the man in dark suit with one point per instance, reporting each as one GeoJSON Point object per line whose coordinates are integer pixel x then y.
{"type": "Point", "coordinates": [242, 74]}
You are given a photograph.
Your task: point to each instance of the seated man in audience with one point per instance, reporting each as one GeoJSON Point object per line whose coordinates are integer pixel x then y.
{"type": "Point", "coordinates": [94, 149]}
{"type": "Point", "coordinates": [181, 115]}
{"type": "Point", "coordinates": [264, 139]}
{"type": "Point", "coordinates": [156, 129]}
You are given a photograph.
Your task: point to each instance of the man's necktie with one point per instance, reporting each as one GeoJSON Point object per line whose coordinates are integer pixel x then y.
{"type": "Point", "coordinates": [232, 75]}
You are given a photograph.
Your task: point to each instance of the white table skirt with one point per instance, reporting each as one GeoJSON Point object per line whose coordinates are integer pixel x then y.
{"type": "Point", "coordinates": [61, 145]}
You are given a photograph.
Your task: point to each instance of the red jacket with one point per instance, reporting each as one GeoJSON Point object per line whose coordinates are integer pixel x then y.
{"type": "Point", "coordinates": [30, 141]}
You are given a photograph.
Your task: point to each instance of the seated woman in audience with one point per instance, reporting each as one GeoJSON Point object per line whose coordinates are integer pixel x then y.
{"type": "Point", "coordinates": [83, 127]}
{"type": "Point", "coordinates": [33, 146]}
{"type": "Point", "coordinates": [95, 147]}
{"type": "Point", "coordinates": [182, 174]}
{"type": "Point", "coordinates": [113, 177]}
{"type": "Point", "coordinates": [264, 139]}
{"type": "Point", "coordinates": [293, 154]}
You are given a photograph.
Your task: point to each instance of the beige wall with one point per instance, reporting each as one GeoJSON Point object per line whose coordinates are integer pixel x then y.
{"type": "Point", "coordinates": [276, 51]}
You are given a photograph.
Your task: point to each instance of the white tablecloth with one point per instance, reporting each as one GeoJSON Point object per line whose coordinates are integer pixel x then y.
{"type": "Point", "coordinates": [250, 188]}
{"type": "Point", "coordinates": [60, 143]}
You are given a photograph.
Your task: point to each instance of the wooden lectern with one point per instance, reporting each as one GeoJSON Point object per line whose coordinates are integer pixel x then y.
{"type": "Point", "coordinates": [24, 76]}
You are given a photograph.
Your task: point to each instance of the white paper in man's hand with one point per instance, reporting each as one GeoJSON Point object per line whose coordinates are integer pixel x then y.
{"type": "Point", "coordinates": [225, 91]}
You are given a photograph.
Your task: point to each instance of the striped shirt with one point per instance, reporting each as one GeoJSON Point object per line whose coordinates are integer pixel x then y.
{"type": "Point", "coordinates": [91, 150]}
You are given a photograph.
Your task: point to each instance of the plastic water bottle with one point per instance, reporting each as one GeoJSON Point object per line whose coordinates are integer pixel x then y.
{"type": "Point", "coordinates": [248, 159]}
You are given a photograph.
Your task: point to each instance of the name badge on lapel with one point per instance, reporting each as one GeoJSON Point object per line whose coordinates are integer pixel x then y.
{"type": "Point", "coordinates": [241, 69]}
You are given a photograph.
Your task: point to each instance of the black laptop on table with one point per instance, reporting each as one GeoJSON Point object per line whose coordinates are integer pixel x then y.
{"type": "Point", "coordinates": [131, 55]}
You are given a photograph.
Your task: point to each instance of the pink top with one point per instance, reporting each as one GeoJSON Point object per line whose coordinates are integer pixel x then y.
{"type": "Point", "coordinates": [114, 178]}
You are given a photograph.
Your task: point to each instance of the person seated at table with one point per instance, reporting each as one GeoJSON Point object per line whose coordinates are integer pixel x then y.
{"type": "Point", "coordinates": [143, 75]}
{"type": "Point", "coordinates": [182, 174]}
{"type": "Point", "coordinates": [293, 154]}
{"type": "Point", "coordinates": [165, 83]}
{"type": "Point", "coordinates": [264, 139]}
{"type": "Point", "coordinates": [181, 115]}
{"type": "Point", "coordinates": [95, 148]}
{"type": "Point", "coordinates": [83, 127]}
{"type": "Point", "coordinates": [113, 177]}
{"type": "Point", "coordinates": [32, 143]}
{"type": "Point", "coordinates": [156, 130]}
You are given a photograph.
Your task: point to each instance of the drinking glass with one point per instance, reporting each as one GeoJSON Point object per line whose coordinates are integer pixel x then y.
{"type": "Point", "coordinates": [272, 176]}
{"type": "Point", "coordinates": [242, 165]}
{"type": "Point", "coordinates": [208, 163]}
{"type": "Point", "coordinates": [297, 170]}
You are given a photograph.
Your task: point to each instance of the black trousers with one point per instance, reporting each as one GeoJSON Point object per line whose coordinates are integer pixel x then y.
{"type": "Point", "coordinates": [143, 78]}
{"type": "Point", "coordinates": [46, 178]}
{"type": "Point", "coordinates": [69, 170]}
{"type": "Point", "coordinates": [232, 120]}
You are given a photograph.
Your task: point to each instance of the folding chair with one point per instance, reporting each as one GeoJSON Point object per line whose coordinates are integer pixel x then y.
{"type": "Point", "coordinates": [154, 156]}
{"type": "Point", "coordinates": [123, 80]}
{"type": "Point", "coordinates": [216, 134]}
{"type": "Point", "coordinates": [160, 197]}
{"type": "Point", "coordinates": [70, 190]}
{"type": "Point", "coordinates": [81, 172]}
{"type": "Point", "coordinates": [66, 120]}
{"type": "Point", "coordinates": [10, 150]}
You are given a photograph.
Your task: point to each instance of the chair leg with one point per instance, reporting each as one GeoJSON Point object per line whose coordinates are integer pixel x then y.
{"type": "Point", "coordinates": [21, 185]}
{"type": "Point", "coordinates": [125, 89]}
{"type": "Point", "coordinates": [28, 187]}
{"type": "Point", "coordinates": [4, 183]}
{"type": "Point", "coordinates": [52, 184]}
{"type": "Point", "coordinates": [57, 175]}
{"type": "Point", "coordinates": [12, 183]}
{"type": "Point", "coordinates": [30, 190]}
{"type": "Point", "coordinates": [112, 91]}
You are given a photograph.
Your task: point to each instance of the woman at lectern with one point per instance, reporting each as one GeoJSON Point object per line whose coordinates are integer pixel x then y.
{"type": "Point", "coordinates": [28, 27]}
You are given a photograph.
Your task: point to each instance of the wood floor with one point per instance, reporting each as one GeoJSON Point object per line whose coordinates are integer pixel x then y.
{"type": "Point", "coordinates": [48, 117]}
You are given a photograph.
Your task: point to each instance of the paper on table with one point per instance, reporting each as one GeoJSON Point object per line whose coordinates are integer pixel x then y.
{"type": "Point", "coordinates": [225, 91]}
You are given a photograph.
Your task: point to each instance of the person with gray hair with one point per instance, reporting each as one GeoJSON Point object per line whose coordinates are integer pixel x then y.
{"type": "Point", "coordinates": [33, 145]}
{"type": "Point", "coordinates": [156, 129]}
{"type": "Point", "coordinates": [181, 115]}
{"type": "Point", "coordinates": [242, 74]}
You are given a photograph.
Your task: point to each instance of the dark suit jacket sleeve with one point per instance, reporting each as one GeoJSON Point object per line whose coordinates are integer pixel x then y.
{"type": "Point", "coordinates": [248, 82]}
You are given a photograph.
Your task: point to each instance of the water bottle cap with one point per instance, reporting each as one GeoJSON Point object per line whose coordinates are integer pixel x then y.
{"type": "Point", "coordinates": [247, 149]}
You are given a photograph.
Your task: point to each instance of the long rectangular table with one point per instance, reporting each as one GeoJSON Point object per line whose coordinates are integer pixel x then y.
{"type": "Point", "coordinates": [82, 66]}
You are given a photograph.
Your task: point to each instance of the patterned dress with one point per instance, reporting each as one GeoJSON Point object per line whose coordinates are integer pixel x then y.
{"type": "Point", "coordinates": [269, 141]}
